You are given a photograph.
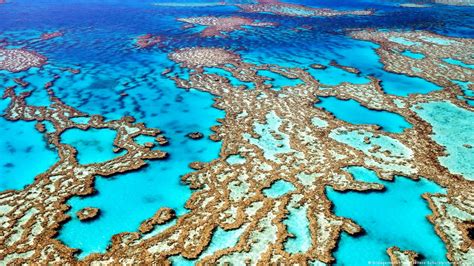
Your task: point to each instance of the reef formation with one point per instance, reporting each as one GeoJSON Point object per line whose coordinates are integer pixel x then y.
{"type": "Point", "coordinates": [310, 148]}
{"type": "Point", "coordinates": [216, 26]}
{"type": "Point", "coordinates": [270, 135]}
{"type": "Point", "coordinates": [16, 60]}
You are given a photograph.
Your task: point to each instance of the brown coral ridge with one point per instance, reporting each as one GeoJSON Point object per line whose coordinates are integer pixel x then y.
{"type": "Point", "coordinates": [230, 196]}
{"type": "Point", "coordinates": [216, 26]}
{"type": "Point", "coordinates": [162, 216]}
{"type": "Point", "coordinates": [349, 69]}
{"type": "Point", "coordinates": [402, 257]}
{"type": "Point", "coordinates": [31, 217]}
{"type": "Point", "coordinates": [88, 214]}
{"type": "Point", "coordinates": [195, 135]}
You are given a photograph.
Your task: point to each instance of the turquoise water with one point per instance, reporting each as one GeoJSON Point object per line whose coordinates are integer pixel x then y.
{"type": "Point", "coordinates": [323, 51]}
{"type": "Point", "coordinates": [394, 217]}
{"type": "Point", "coordinates": [128, 199]}
{"type": "Point", "coordinates": [453, 128]}
{"type": "Point", "coordinates": [236, 159]}
{"type": "Point", "coordinates": [125, 201]}
{"type": "Point", "coordinates": [143, 139]}
{"type": "Point", "coordinates": [353, 112]}
{"type": "Point", "coordinates": [270, 145]}
{"type": "Point", "coordinates": [413, 55]}
{"type": "Point", "coordinates": [401, 40]}
{"type": "Point", "coordinates": [457, 63]}
{"type": "Point", "coordinates": [401, 85]}
{"type": "Point", "coordinates": [23, 154]}
{"type": "Point", "coordinates": [103, 49]}
{"type": "Point", "coordinates": [278, 189]}
{"type": "Point", "coordinates": [93, 145]}
{"type": "Point", "coordinates": [467, 92]}
{"type": "Point", "coordinates": [298, 224]}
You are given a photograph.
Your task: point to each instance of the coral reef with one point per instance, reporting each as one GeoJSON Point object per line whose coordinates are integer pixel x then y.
{"type": "Point", "coordinates": [216, 26]}
{"type": "Point", "coordinates": [17, 60]}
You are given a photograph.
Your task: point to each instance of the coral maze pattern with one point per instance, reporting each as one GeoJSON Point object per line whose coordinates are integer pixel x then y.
{"type": "Point", "coordinates": [311, 156]}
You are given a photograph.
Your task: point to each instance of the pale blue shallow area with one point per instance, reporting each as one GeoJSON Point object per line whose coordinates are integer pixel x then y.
{"type": "Point", "coordinates": [236, 159]}
{"type": "Point", "coordinates": [270, 145]}
{"type": "Point", "coordinates": [23, 154]}
{"type": "Point", "coordinates": [278, 189]}
{"type": "Point", "coordinates": [353, 112]}
{"type": "Point", "coordinates": [453, 128]}
{"type": "Point", "coordinates": [401, 40]}
{"type": "Point", "coordinates": [298, 224]}
{"type": "Point", "coordinates": [394, 217]}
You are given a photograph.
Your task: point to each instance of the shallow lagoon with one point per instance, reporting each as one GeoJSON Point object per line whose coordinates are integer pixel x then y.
{"type": "Point", "coordinates": [93, 145]}
{"type": "Point", "coordinates": [270, 145]}
{"type": "Point", "coordinates": [155, 101]}
{"type": "Point", "coordinates": [298, 224]}
{"type": "Point", "coordinates": [394, 217]}
{"type": "Point", "coordinates": [278, 189]}
{"type": "Point", "coordinates": [452, 128]}
{"type": "Point", "coordinates": [353, 112]}
{"type": "Point", "coordinates": [128, 199]}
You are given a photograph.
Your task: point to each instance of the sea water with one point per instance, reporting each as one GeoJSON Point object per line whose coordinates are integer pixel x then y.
{"type": "Point", "coordinates": [393, 217]}
{"type": "Point", "coordinates": [112, 67]}
{"type": "Point", "coordinates": [353, 112]}
{"type": "Point", "coordinates": [24, 154]}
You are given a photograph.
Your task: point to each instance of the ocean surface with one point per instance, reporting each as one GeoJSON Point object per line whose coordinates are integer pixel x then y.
{"type": "Point", "coordinates": [99, 38]}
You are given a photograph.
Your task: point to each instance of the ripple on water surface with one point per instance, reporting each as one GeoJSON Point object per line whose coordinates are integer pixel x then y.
{"type": "Point", "coordinates": [394, 217]}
